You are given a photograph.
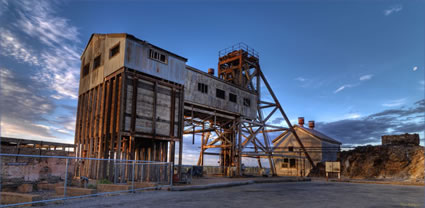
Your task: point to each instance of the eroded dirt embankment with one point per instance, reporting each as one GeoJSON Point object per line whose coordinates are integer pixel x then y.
{"type": "Point", "coordinates": [384, 162]}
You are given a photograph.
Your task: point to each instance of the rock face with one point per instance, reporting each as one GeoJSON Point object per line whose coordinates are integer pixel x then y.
{"type": "Point", "coordinates": [399, 162]}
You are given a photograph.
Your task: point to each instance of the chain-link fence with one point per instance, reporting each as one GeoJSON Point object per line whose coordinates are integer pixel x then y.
{"type": "Point", "coordinates": [37, 179]}
{"type": "Point", "coordinates": [183, 174]}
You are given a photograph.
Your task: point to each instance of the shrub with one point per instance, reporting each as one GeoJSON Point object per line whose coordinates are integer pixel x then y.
{"type": "Point", "coordinates": [104, 181]}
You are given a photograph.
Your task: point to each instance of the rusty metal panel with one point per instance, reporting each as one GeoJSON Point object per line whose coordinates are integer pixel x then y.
{"type": "Point", "coordinates": [112, 64]}
{"type": "Point", "coordinates": [137, 58]}
{"type": "Point", "coordinates": [193, 95]}
{"type": "Point", "coordinates": [99, 45]}
{"type": "Point", "coordinates": [144, 108]}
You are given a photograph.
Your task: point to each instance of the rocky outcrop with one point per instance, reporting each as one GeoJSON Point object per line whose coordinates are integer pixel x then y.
{"type": "Point", "coordinates": [399, 162]}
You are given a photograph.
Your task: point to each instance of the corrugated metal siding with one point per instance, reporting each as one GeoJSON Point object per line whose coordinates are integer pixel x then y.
{"type": "Point", "coordinates": [117, 62]}
{"type": "Point", "coordinates": [209, 99]}
{"type": "Point", "coordinates": [137, 58]}
{"type": "Point", "coordinates": [100, 45]}
{"type": "Point", "coordinates": [144, 108]}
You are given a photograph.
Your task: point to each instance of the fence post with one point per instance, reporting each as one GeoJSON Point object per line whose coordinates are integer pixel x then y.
{"type": "Point", "coordinates": [171, 174]}
{"type": "Point", "coordinates": [191, 174]}
{"type": "Point", "coordinates": [142, 175]}
{"type": "Point", "coordinates": [66, 177]}
{"type": "Point", "coordinates": [158, 167]}
{"type": "Point", "coordinates": [132, 177]}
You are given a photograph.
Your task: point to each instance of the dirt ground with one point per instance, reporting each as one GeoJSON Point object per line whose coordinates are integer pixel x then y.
{"type": "Point", "coordinates": [295, 194]}
{"type": "Point", "coordinates": [219, 179]}
{"type": "Point", "coordinates": [388, 162]}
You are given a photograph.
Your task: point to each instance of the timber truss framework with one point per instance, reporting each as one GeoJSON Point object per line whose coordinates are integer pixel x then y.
{"type": "Point", "coordinates": [237, 136]}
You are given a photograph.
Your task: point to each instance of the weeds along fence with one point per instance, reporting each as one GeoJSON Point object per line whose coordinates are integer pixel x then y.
{"type": "Point", "coordinates": [38, 179]}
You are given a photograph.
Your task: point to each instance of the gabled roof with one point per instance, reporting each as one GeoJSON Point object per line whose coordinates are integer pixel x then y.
{"type": "Point", "coordinates": [126, 35]}
{"type": "Point", "coordinates": [313, 133]}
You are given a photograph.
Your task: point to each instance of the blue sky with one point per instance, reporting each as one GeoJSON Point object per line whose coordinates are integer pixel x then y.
{"type": "Point", "coordinates": [356, 67]}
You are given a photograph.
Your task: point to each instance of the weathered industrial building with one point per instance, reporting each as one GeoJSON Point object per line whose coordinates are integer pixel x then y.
{"type": "Point", "coordinates": [130, 103]}
{"type": "Point", "coordinates": [136, 101]}
{"type": "Point", "coordinates": [402, 139]}
{"type": "Point", "coordinates": [319, 146]}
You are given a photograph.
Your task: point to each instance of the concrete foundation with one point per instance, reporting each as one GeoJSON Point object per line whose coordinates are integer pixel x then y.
{"type": "Point", "coordinates": [112, 187]}
{"type": "Point", "coordinates": [48, 186]}
{"type": "Point", "coordinates": [72, 191]}
{"type": "Point", "coordinates": [25, 188]}
{"type": "Point", "coordinates": [13, 198]}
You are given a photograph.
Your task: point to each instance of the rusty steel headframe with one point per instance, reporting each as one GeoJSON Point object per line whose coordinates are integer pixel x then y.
{"type": "Point", "coordinates": [238, 136]}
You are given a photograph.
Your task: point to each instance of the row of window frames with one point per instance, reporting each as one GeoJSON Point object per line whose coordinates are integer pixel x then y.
{"type": "Point", "coordinates": [96, 62]}
{"type": "Point", "coordinates": [153, 54]}
{"type": "Point", "coordinates": [222, 94]}
{"type": "Point", "coordinates": [115, 50]}
{"type": "Point", "coordinates": [288, 163]}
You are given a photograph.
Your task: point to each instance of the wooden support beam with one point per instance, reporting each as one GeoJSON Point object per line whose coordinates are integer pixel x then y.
{"type": "Point", "coordinates": [107, 134]}
{"type": "Point", "coordinates": [101, 134]}
{"type": "Point", "coordinates": [155, 95]}
{"type": "Point", "coordinates": [180, 130]}
{"type": "Point", "coordinates": [114, 109]}
{"type": "Point", "coordinates": [134, 106]}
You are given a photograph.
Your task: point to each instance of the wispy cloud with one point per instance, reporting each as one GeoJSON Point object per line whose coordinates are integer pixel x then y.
{"type": "Point", "coordinates": [421, 85]}
{"type": "Point", "coordinates": [346, 86]}
{"type": "Point", "coordinates": [40, 21]}
{"type": "Point", "coordinates": [415, 68]}
{"type": "Point", "coordinates": [395, 103]}
{"type": "Point", "coordinates": [393, 9]}
{"type": "Point", "coordinates": [57, 61]}
{"type": "Point", "coordinates": [48, 44]}
{"type": "Point", "coordinates": [343, 87]}
{"type": "Point", "coordinates": [366, 77]}
{"type": "Point", "coordinates": [3, 6]}
{"type": "Point", "coordinates": [277, 120]}
{"type": "Point", "coordinates": [12, 46]}
{"type": "Point", "coordinates": [23, 108]}
{"type": "Point", "coordinates": [352, 116]}
{"type": "Point", "coordinates": [301, 79]}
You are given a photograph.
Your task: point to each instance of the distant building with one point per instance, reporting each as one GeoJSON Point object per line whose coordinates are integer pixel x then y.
{"type": "Point", "coordinates": [402, 139]}
{"type": "Point", "coordinates": [290, 160]}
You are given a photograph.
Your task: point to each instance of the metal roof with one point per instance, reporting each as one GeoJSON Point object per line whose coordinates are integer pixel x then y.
{"type": "Point", "coordinates": [130, 36]}
{"type": "Point", "coordinates": [313, 133]}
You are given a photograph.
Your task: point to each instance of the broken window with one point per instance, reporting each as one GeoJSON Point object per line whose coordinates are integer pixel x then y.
{"type": "Point", "coordinates": [290, 149]}
{"type": "Point", "coordinates": [292, 163]}
{"type": "Point", "coordinates": [86, 69]}
{"type": "Point", "coordinates": [96, 62]}
{"type": "Point", "coordinates": [247, 102]}
{"type": "Point", "coordinates": [158, 56]}
{"type": "Point", "coordinates": [114, 50]}
{"type": "Point", "coordinates": [203, 88]}
{"type": "Point", "coordinates": [220, 94]}
{"type": "Point", "coordinates": [285, 163]}
{"type": "Point", "coordinates": [232, 97]}
{"type": "Point", "coordinates": [162, 58]}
